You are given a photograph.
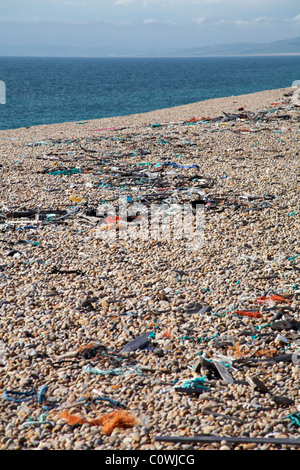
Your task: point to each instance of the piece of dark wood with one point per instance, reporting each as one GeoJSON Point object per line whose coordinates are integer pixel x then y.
{"type": "Point", "coordinates": [233, 439]}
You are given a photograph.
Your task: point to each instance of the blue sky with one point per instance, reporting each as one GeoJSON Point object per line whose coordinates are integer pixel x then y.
{"type": "Point", "coordinates": [146, 24]}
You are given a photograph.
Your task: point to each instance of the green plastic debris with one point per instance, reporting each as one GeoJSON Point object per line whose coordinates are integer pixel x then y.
{"type": "Point", "coordinates": [71, 171]}
{"type": "Point", "coordinates": [195, 383]}
{"type": "Point", "coordinates": [293, 257]}
{"type": "Point", "coordinates": [295, 418]}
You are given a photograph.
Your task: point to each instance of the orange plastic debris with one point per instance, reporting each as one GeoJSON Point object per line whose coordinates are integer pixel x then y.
{"type": "Point", "coordinates": [109, 422]}
{"type": "Point", "coordinates": [76, 198]}
{"type": "Point", "coordinates": [274, 298]}
{"type": "Point", "coordinates": [167, 335]}
{"type": "Point", "coordinates": [237, 351]}
{"type": "Point", "coordinates": [74, 419]}
{"type": "Point", "coordinates": [266, 352]}
{"type": "Point", "coordinates": [249, 314]}
{"type": "Point", "coordinates": [117, 419]}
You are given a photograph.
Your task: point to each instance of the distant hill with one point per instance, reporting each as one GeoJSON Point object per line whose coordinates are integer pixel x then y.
{"type": "Point", "coordinates": [287, 46]}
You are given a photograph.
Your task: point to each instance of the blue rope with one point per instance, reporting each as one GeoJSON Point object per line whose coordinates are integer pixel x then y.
{"type": "Point", "coordinates": [42, 395]}
{"type": "Point", "coordinates": [19, 397]}
{"type": "Point", "coordinates": [115, 403]}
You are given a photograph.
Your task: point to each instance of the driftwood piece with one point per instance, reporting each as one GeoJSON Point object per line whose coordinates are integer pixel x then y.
{"type": "Point", "coordinates": [233, 439]}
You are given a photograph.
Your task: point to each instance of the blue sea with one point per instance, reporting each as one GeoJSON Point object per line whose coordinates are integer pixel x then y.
{"type": "Point", "coordinates": [55, 90]}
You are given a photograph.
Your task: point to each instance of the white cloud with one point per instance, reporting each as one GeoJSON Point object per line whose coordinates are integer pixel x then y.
{"type": "Point", "coordinates": [123, 2]}
{"type": "Point", "coordinates": [260, 20]}
{"type": "Point", "coordinates": [150, 21]}
{"type": "Point", "coordinates": [241, 22]}
{"type": "Point", "coordinates": [199, 20]}
{"type": "Point", "coordinates": [155, 21]}
{"type": "Point", "coordinates": [297, 19]}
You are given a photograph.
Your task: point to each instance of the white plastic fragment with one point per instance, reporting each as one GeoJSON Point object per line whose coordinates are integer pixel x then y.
{"type": "Point", "coordinates": [2, 352]}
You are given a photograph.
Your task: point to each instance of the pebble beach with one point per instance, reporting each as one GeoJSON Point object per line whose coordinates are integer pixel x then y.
{"type": "Point", "coordinates": [152, 343]}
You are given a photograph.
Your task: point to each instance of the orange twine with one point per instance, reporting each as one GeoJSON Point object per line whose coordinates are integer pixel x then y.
{"type": "Point", "coordinates": [109, 421]}
{"type": "Point", "coordinates": [246, 313]}
{"type": "Point", "coordinates": [117, 419]}
{"type": "Point", "coordinates": [237, 352]}
{"type": "Point", "coordinates": [275, 298]}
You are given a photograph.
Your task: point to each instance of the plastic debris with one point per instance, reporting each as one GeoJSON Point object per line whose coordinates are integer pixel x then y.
{"type": "Point", "coordinates": [295, 418]}
{"type": "Point", "coordinates": [138, 343]}
{"type": "Point", "coordinates": [199, 309]}
{"type": "Point", "coordinates": [223, 372]}
{"type": "Point", "coordinates": [293, 441]}
{"type": "Point", "coordinates": [110, 421]}
{"type": "Point", "coordinates": [192, 386]}
{"type": "Point", "coordinates": [117, 419]}
{"type": "Point", "coordinates": [111, 401]}
{"type": "Point", "coordinates": [256, 383]}
{"type": "Point", "coordinates": [29, 396]}
{"type": "Point", "coordinates": [71, 171]}
{"type": "Point", "coordinates": [286, 324]}
{"type": "Point", "coordinates": [19, 397]}
{"type": "Point", "coordinates": [178, 165]}
{"type": "Point", "coordinates": [250, 314]}
{"type": "Point", "coordinates": [117, 371]}
{"type": "Point", "coordinates": [180, 303]}
{"type": "Point", "coordinates": [2, 352]}
{"type": "Point", "coordinates": [272, 298]}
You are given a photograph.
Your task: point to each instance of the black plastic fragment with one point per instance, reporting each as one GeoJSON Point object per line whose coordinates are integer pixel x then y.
{"type": "Point", "coordinates": [199, 309]}
{"type": "Point", "coordinates": [288, 324]}
{"type": "Point", "coordinates": [138, 343]}
{"type": "Point", "coordinates": [189, 390]}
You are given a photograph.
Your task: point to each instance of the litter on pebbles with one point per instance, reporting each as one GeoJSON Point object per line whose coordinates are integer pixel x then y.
{"type": "Point", "coordinates": [174, 339]}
